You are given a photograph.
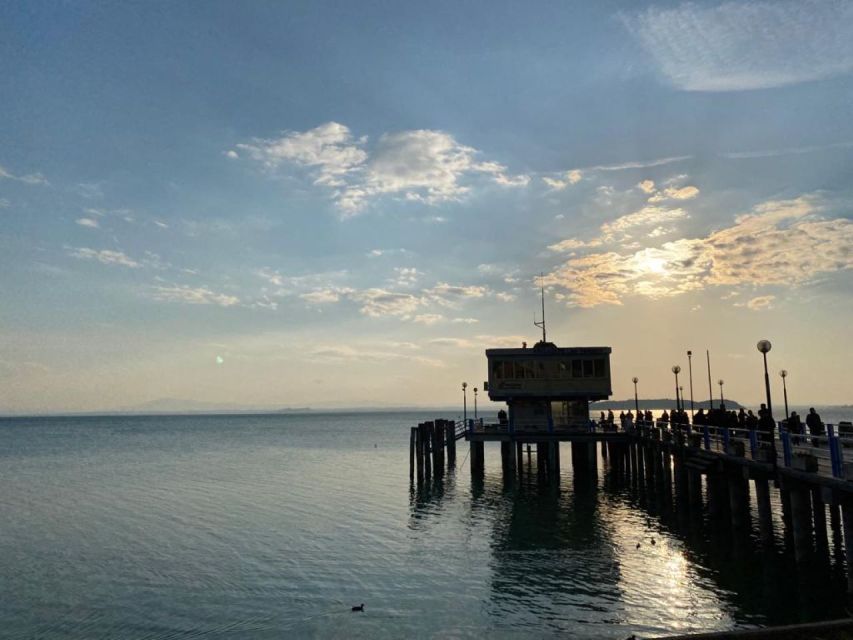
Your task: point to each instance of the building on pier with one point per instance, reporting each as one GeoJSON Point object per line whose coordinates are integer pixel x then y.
{"type": "Point", "coordinates": [548, 388]}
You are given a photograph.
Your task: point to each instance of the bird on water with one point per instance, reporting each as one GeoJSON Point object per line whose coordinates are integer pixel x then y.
{"type": "Point", "coordinates": [359, 607]}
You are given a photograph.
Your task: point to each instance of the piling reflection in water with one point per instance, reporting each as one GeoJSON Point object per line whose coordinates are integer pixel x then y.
{"type": "Point", "coordinates": [638, 541]}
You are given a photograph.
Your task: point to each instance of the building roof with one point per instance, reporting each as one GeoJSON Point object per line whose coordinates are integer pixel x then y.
{"type": "Point", "coordinates": [548, 349]}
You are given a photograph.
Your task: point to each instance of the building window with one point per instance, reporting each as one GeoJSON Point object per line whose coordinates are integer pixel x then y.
{"type": "Point", "coordinates": [587, 369]}
{"type": "Point", "coordinates": [577, 368]}
{"type": "Point", "coordinates": [599, 368]}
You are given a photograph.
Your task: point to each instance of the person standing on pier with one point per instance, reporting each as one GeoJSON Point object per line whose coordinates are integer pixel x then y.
{"type": "Point", "coordinates": [816, 428]}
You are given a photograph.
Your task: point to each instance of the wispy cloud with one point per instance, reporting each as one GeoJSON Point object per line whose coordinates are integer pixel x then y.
{"type": "Point", "coordinates": [193, 295]}
{"type": "Point", "coordinates": [417, 165]}
{"type": "Point", "coordinates": [746, 45]}
{"type": "Point", "coordinates": [105, 256]}
{"type": "Point", "coordinates": [772, 153]}
{"type": "Point", "coordinates": [761, 303]}
{"type": "Point", "coordinates": [638, 164]}
{"type": "Point", "coordinates": [30, 178]}
{"type": "Point", "coordinates": [779, 242]}
{"type": "Point", "coordinates": [88, 222]}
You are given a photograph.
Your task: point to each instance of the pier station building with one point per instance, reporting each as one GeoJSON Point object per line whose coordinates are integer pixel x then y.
{"type": "Point", "coordinates": [548, 388]}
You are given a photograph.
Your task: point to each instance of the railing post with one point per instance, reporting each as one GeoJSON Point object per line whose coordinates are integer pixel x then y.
{"type": "Point", "coordinates": [753, 443]}
{"type": "Point", "coordinates": [786, 447]}
{"type": "Point", "coordinates": [725, 439]}
{"type": "Point", "coordinates": [706, 435]}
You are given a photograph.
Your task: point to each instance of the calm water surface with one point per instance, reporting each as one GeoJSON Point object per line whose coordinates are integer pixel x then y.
{"type": "Point", "coordinates": [274, 526]}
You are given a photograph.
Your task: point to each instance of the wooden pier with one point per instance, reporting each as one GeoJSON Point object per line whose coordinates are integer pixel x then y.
{"type": "Point", "coordinates": [695, 469]}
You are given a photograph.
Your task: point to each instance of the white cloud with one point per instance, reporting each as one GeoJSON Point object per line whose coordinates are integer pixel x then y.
{"type": "Point", "coordinates": [647, 216]}
{"type": "Point", "coordinates": [321, 296]}
{"type": "Point", "coordinates": [428, 318]}
{"type": "Point", "coordinates": [750, 45]}
{"type": "Point", "coordinates": [778, 242]}
{"type": "Point", "coordinates": [376, 302]}
{"type": "Point", "coordinates": [465, 321]}
{"type": "Point", "coordinates": [647, 186]}
{"type": "Point", "coordinates": [330, 148]}
{"type": "Point", "coordinates": [674, 193]}
{"type": "Point", "coordinates": [87, 222]}
{"type": "Point", "coordinates": [105, 256]}
{"type": "Point", "coordinates": [416, 165]}
{"type": "Point", "coordinates": [504, 296]}
{"type": "Point", "coordinates": [31, 178]}
{"type": "Point", "coordinates": [455, 343]}
{"type": "Point", "coordinates": [564, 179]}
{"type": "Point", "coordinates": [358, 354]}
{"type": "Point", "coordinates": [232, 154]}
{"type": "Point", "coordinates": [406, 276]}
{"type": "Point", "coordinates": [193, 295]}
{"type": "Point", "coordinates": [761, 303]}
{"type": "Point", "coordinates": [504, 180]}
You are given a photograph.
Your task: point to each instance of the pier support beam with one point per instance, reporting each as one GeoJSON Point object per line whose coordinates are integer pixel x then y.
{"type": "Point", "coordinates": [478, 458]}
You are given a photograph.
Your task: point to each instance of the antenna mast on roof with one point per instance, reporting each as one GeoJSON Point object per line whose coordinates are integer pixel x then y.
{"type": "Point", "coordinates": [542, 290]}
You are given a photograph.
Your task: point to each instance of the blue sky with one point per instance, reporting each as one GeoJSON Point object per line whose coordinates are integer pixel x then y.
{"type": "Point", "coordinates": [317, 203]}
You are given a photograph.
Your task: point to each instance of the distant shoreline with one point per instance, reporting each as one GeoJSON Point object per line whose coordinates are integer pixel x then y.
{"type": "Point", "coordinates": [489, 409]}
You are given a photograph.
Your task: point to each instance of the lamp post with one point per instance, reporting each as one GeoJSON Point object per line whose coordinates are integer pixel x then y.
{"type": "Point", "coordinates": [475, 403]}
{"type": "Point", "coordinates": [722, 400]}
{"type": "Point", "coordinates": [690, 370]}
{"type": "Point", "coordinates": [764, 346]}
{"type": "Point", "coordinates": [681, 389]}
{"type": "Point", "coordinates": [676, 370]}
{"type": "Point", "coordinates": [784, 375]}
{"type": "Point", "coordinates": [635, 379]}
{"type": "Point", "coordinates": [465, 403]}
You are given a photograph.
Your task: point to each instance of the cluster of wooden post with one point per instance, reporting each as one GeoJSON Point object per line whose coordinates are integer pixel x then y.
{"type": "Point", "coordinates": [697, 484]}
{"type": "Point", "coordinates": [427, 445]}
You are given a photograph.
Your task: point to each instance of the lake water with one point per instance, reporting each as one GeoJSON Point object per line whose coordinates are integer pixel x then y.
{"type": "Point", "coordinates": [274, 526]}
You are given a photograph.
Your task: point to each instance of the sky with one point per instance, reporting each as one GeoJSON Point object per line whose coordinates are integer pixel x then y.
{"type": "Point", "coordinates": [344, 204]}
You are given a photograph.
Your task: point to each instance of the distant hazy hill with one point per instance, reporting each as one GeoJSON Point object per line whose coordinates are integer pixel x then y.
{"type": "Point", "coordinates": [178, 405]}
{"type": "Point", "coordinates": [658, 403]}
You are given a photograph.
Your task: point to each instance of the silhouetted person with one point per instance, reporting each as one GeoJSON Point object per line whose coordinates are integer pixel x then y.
{"type": "Point", "coordinates": [664, 417]}
{"type": "Point", "coordinates": [751, 420]}
{"type": "Point", "coordinates": [700, 418]}
{"type": "Point", "coordinates": [648, 417]}
{"type": "Point", "coordinates": [813, 422]}
{"type": "Point", "coordinates": [795, 426]}
{"type": "Point", "coordinates": [610, 418]}
{"type": "Point", "coordinates": [502, 417]}
{"type": "Point", "coordinates": [741, 418]}
{"type": "Point", "coordinates": [765, 422]}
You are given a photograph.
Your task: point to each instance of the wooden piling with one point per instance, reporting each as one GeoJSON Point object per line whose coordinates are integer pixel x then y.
{"type": "Point", "coordinates": [739, 499]}
{"type": "Point", "coordinates": [801, 522]}
{"type": "Point", "coordinates": [412, 453]}
{"type": "Point", "coordinates": [519, 460]}
{"type": "Point", "coordinates": [419, 452]}
{"type": "Point", "coordinates": [694, 491]}
{"type": "Point", "coordinates": [450, 438]}
{"type": "Point", "coordinates": [426, 443]}
{"type": "Point", "coordinates": [847, 523]}
{"type": "Point", "coordinates": [819, 515]}
{"type": "Point", "coordinates": [765, 512]}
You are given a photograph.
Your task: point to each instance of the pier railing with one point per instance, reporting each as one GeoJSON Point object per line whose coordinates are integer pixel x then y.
{"type": "Point", "coordinates": [827, 454]}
